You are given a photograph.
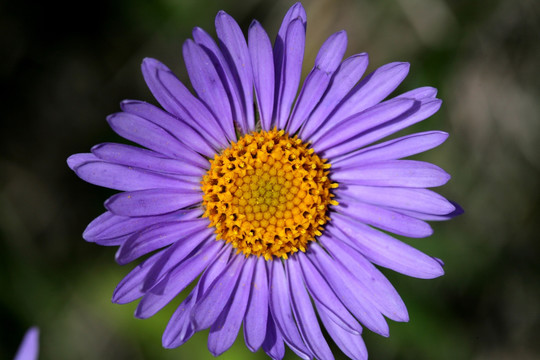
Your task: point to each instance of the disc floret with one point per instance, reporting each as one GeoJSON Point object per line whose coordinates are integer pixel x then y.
{"type": "Point", "coordinates": [268, 194]}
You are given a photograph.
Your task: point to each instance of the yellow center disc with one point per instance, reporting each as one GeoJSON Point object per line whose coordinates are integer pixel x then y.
{"type": "Point", "coordinates": [268, 194]}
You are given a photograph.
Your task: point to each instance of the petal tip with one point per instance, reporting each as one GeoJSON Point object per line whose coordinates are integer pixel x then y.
{"type": "Point", "coordinates": [122, 256]}
{"type": "Point", "coordinates": [88, 235]}
{"type": "Point", "coordinates": [148, 61]}
{"type": "Point", "coordinates": [437, 269]}
{"type": "Point", "coordinates": [341, 34]}
{"type": "Point", "coordinates": [149, 64]}
{"type": "Point", "coordinates": [128, 102]}
{"type": "Point", "coordinates": [404, 64]}
{"type": "Point", "coordinates": [73, 161]}
{"type": "Point", "coordinates": [197, 30]}
{"type": "Point", "coordinates": [458, 210]}
{"type": "Point", "coordinates": [298, 5]}
{"type": "Point", "coordinates": [111, 118]}
{"type": "Point", "coordinates": [222, 15]}
{"type": "Point", "coordinates": [254, 23]}
{"type": "Point", "coordinates": [139, 314]}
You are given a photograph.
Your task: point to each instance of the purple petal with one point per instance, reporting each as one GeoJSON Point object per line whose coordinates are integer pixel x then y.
{"type": "Point", "coordinates": [288, 76]}
{"type": "Point", "coordinates": [324, 295]}
{"type": "Point", "coordinates": [179, 328]}
{"type": "Point", "coordinates": [316, 83]}
{"type": "Point", "coordinates": [346, 287]}
{"type": "Point", "coordinates": [352, 345]}
{"type": "Point", "coordinates": [176, 281]}
{"type": "Point", "coordinates": [346, 76]}
{"type": "Point", "coordinates": [304, 312]}
{"type": "Point", "coordinates": [105, 221]}
{"type": "Point", "coordinates": [29, 348]}
{"type": "Point", "coordinates": [117, 241]}
{"type": "Point", "coordinates": [418, 200]}
{"type": "Point", "coordinates": [158, 236]}
{"type": "Point", "coordinates": [224, 331]}
{"type": "Point", "coordinates": [384, 219]}
{"type": "Point", "coordinates": [426, 109]}
{"type": "Point", "coordinates": [76, 160]}
{"type": "Point", "coordinates": [145, 159]}
{"type": "Point", "coordinates": [407, 173]}
{"type": "Point", "coordinates": [151, 201]}
{"type": "Point", "coordinates": [177, 127]}
{"type": "Point", "coordinates": [394, 149]}
{"type": "Point", "coordinates": [147, 134]}
{"type": "Point", "coordinates": [127, 178]}
{"type": "Point", "coordinates": [215, 270]}
{"type": "Point", "coordinates": [421, 93]}
{"type": "Point", "coordinates": [281, 310]}
{"type": "Point", "coordinates": [355, 125]}
{"type": "Point", "coordinates": [273, 342]}
{"type": "Point", "coordinates": [208, 85]}
{"type": "Point", "coordinates": [431, 217]}
{"type": "Point", "coordinates": [129, 289]}
{"type": "Point", "coordinates": [176, 99]}
{"type": "Point", "coordinates": [235, 50]}
{"type": "Point", "coordinates": [331, 52]}
{"type": "Point", "coordinates": [381, 292]}
{"type": "Point", "coordinates": [229, 79]}
{"type": "Point", "coordinates": [310, 95]}
{"type": "Point", "coordinates": [262, 62]}
{"type": "Point", "coordinates": [109, 226]}
{"type": "Point", "coordinates": [384, 250]}
{"type": "Point", "coordinates": [295, 12]}
{"type": "Point", "coordinates": [175, 254]}
{"type": "Point", "coordinates": [370, 91]}
{"type": "Point", "coordinates": [257, 311]}
{"type": "Point", "coordinates": [212, 302]}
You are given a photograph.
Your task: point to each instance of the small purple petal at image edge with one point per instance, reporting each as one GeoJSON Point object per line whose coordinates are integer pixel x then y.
{"type": "Point", "coordinates": [29, 348]}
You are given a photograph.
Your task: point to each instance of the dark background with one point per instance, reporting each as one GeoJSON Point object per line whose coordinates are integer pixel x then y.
{"type": "Point", "coordinates": [66, 65]}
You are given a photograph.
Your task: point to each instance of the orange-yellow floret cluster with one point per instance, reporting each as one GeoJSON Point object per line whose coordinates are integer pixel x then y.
{"type": "Point", "coordinates": [268, 194]}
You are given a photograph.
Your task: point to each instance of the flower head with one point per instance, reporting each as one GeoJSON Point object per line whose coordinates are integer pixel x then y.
{"type": "Point", "coordinates": [276, 206]}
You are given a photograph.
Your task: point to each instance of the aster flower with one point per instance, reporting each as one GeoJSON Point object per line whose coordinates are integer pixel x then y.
{"type": "Point", "coordinates": [282, 208]}
{"type": "Point", "coordinates": [29, 348]}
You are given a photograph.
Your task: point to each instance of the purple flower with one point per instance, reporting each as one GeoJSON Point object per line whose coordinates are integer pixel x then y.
{"type": "Point", "coordinates": [29, 348]}
{"type": "Point", "coordinates": [292, 189]}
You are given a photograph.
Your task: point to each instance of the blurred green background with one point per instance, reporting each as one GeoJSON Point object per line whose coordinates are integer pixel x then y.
{"type": "Point", "coordinates": [66, 65]}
